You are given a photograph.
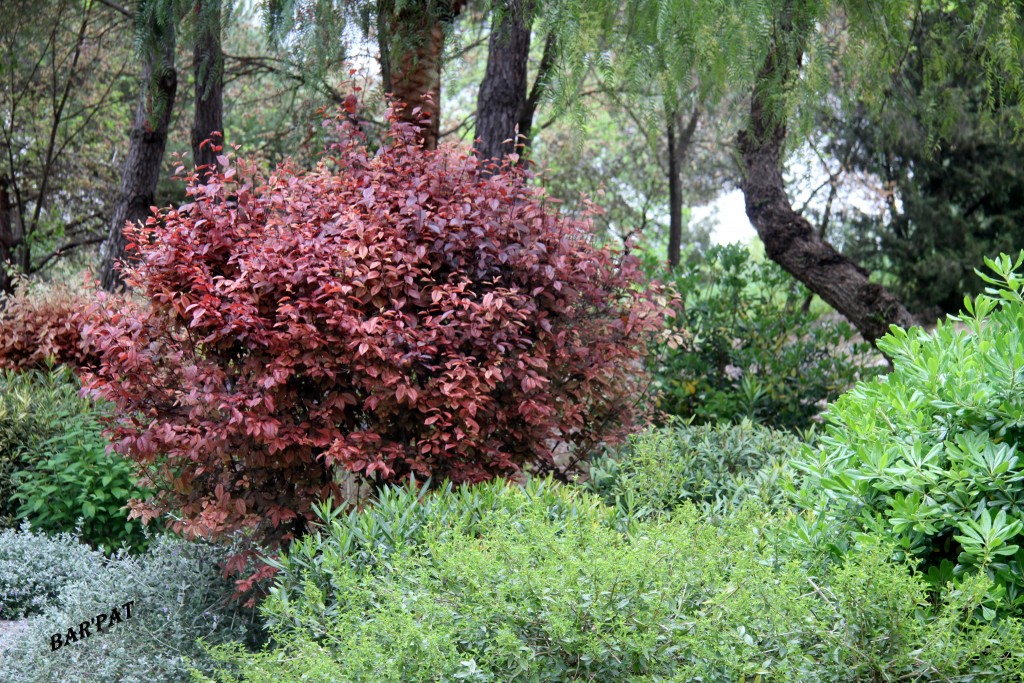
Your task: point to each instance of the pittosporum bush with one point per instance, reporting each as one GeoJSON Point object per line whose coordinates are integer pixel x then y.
{"type": "Point", "coordinates": [40, 324]}
{"type": "Point", "coordinates": [543, 588]}
{"type": "Point", "coordinates": [397, 313]}
{"type": "Point", "coordinates": [179, 596]}
{"type": "Point", "coordinates": [716, 467]}
{"type": "Point", "coordinates": [752, 350]}
{"type": "Point", "coordinates": [929, 455]}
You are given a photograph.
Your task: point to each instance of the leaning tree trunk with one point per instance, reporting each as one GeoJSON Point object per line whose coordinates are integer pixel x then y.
{"type": "Point", "coordinates": [141, 171]}
{"type": "Point", "coordinates": [502, 98]}
{"type": "Point", "coordinates": [411, 41]}
{"type": "Point", "coordinates": [208, 69]}
{"type": "Point", "coordinates": [789, 239]}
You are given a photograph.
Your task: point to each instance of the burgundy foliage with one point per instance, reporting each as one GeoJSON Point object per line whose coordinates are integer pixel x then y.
{"type": "Point", "coordinates": [392, 313]}
{"type": "Point", "coordinates": [39, 325]}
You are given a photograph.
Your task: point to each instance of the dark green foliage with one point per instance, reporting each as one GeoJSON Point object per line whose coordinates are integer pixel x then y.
{"type": "Point", "coordinates": [34, 406]}
{"type": "Point", "coordinates": [929, 456]}
{"type": "Point", "coordinates": [179, 594]}
{"type": "Point", "coordinates": [543, 588]}
{"type": "Point", "coordinates": [57, 468]}
{"type": "Point", "coordinates": [716, 467]}
{"type": "Point", "coordinates": [754, 351]}
{"type": "Point", "coordinates": [35, 567]}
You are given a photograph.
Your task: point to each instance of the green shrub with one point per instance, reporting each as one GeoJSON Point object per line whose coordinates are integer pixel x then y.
{"type": "Point", "coordinates": [713, 466]}
{"type": "Point", "coordinates": [35, 567]}
{"type": "Point", "coordinates": [522, 594]}
{"type": "Point", "coordinates": [753, 351]}
{"type": "Point", "coordinates": [34, 407]}
{"type": "Point", "coordinates": [179, 597]}
{"type": "Point", "coordinates": [73, 482]}
{"type": "Point", "coordinates": [929, 455]}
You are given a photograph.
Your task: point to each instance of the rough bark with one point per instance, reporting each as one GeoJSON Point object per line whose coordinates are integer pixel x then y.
{"type": "Point", "coordinates": [411, 41]}
{"type": "Point", "coordinates": [678, 146]}
{"type": "Point", "coordinates": [789, 239]}
{"type": "Point", "coordinates": [145, 154]}
{"type": "Point", "coordinates": [502, 97]}
{"type": "Point", "coordinates": [208, 69]}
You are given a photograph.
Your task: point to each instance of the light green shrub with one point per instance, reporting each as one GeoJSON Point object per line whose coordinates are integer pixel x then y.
{"type": "Point", "coordinates": [539, 593]}
{"type": "Point", "coordinates": [713, 466]}
{"type": "Point", "coordinates": [179, 597]}
{"type": "Point", "coordinates": [929, 455]}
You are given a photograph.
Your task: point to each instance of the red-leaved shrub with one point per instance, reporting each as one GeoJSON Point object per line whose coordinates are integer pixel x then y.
{"type": "Point", "coordinates": [393, 313]}
{"type": "Point", "coordinates": [40, 324]}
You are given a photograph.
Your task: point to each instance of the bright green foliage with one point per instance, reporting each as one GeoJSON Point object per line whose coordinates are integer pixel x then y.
{"type": "Point", "coordinates": [754, 351]}
{"type": "Point", "coordinates": [543, 589]}
{"type": "Point", "coordinates": [58, 470]}
{"type": "Point", "coordinates": [179, 593]}
{"type": "Point", "coordinates": [34, 568]}
{"type": "Point", "coordinates": [34, 407]}
{"type": "Point", "coordinates": [716, 467]}
{"type": "Point", "coordinates": [929, 454]}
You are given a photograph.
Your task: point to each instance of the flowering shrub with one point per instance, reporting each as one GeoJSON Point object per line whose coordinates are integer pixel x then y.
{"type": "Point", "coordinates": [399, 313]}
{"type": "Point", "coordinates": [40, 323]}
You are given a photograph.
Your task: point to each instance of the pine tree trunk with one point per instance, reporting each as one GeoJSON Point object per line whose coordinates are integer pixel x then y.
{"type": "Point", "coordinates": [502, 98]}
{"type": "Point", "coordinates": [142, 166]}
{"type": "Point", "coordinates": [789, 239]}
{"type": "Point", "coordinates": [208, 65]}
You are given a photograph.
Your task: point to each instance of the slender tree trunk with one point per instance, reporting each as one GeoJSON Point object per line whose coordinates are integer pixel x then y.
{"type": "Point", "coordinates": [208, 65]}
{"type": "Point", "coordinates": [789, 239]}
{"type": "Point", "coordinates": [678, 146]}
{"type": "Point", "coordinates": [6, 238]}
{"type": "Point", "coordinates": [547, 65]}
{"type": "Point", "coordinates": [141, 171]}
{"type": "Point", "coordinates": [411, 41]}
{"type": "Point", "coordinates": [502, 98]}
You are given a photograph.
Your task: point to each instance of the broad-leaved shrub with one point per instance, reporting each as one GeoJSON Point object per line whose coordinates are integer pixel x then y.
{"type": "Point", "coordinates": [42, 323]}
{"type": "Point", "coordinates": [393, 313]}
{"type": "Point", "coordinates": [750, 349]}
{"type": "Point", "coordinates": [929, 455]}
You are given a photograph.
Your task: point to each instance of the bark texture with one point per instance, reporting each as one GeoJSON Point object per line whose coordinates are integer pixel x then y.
{"type": "Point", "coordinates": [208, 65]}
{"type": "Point", "coordinates": [788, 237]}
{"type": "Point", "coordinates": [502, 99]}
{"type": "Point", "coordinates": [679, 141]}
{"type": "Point", "coordinates": [142, 166]}
{"type": "Point", "coordinates": [411, 41]}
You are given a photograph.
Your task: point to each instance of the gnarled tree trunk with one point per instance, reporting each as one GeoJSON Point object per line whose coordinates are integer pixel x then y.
{"type": "Point", "coordinates": [141, 172]}
{"type": "Point", "coordinates": [789, 239]}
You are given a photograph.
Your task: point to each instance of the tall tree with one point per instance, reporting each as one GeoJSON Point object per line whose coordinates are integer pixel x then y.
{"type": "Point", "coordinates": [158, 86]}
{"type": "Point", "coordinates": [208, 72]}
{"type": "Point", "coordinates": [502, 100]}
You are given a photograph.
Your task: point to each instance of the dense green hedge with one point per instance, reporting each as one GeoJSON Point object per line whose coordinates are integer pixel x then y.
{"type": "Point", "coordinates": [504, 584]}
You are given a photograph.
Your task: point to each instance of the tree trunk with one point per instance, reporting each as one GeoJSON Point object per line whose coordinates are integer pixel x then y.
{"type": "Point", "coordinates": [6, 238]}
{"type": "Point", "coordinates": [411, 41]}
{"type": "Point", "coordinates": [145, 153]}
{"type": "Point", "coordinates": [208, 66]}
{"type": "Point", "coordinates": [789, 239]}
{"type": "Point", "coordinates": [547, 64]}
{"type": "Point", "coordinates": [502, 98]}
{"type": "Point", "coordinates": [678, 146]}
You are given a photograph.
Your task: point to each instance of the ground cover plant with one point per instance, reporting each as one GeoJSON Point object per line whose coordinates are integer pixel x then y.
{"type": "Point", "coordinates": [549, 586]}
{"type": "Point", "coordinates": [928, 455]}
{"type": "Point", "coordinates": [398, 313]}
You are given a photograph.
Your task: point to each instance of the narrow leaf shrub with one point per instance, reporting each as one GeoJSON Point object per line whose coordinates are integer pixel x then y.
{"type": "Point", "coordinates": [41, 324]}
{"type": "Point", "coordinates": [525, 595]}
{"type": "Point", "coordinates": [179, 597]}
{"type": "Point", "coordinates": [749, 349]}
{"type": "Point", "coordinates": [929, 455]}
{"type": "Point", "coordinates": [716, 467]}
{"type": "Point", "coordinates": [393, 314]}
{"type": "Point", "coordinates": [34, 567]}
